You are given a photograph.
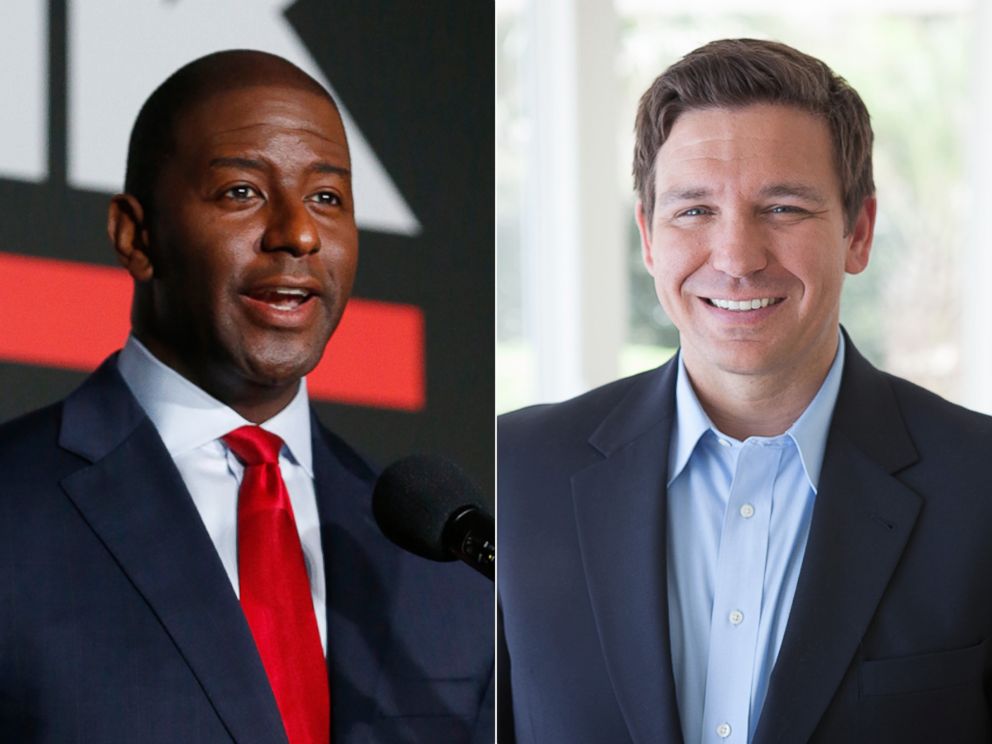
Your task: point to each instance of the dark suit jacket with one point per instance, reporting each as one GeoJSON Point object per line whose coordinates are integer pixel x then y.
{"type": "Point", "coordinates": [119, 624]}
{"type": "Point", "coordinates": [888, 637]}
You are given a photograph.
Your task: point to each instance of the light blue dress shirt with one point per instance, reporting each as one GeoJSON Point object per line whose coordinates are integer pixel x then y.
{"type": "Point", "coordinates": [738, 521]}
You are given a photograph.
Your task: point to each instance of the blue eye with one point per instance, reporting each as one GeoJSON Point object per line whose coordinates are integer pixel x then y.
{"type": "Point", "coordinates": [693, 212]}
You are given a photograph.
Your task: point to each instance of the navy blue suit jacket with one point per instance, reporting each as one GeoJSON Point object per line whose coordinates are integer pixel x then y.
{"type": "Point", "coordinates": [888, 636]}
{"type": "Point", "coordinates": [119, 624]}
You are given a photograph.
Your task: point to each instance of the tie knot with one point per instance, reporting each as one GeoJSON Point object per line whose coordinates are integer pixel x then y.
{"type": "Point", "coordinates": [253, 445]}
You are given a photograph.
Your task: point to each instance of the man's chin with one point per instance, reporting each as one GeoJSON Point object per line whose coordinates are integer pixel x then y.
{"type": "Point", "coordinates": [279, 359]}
{"type": "Point", "coordinates": [279, 372]}
{"type": "Point", "coordinates": [746, 359]}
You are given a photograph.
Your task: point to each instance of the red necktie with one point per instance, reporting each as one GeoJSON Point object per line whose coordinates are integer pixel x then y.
{"type": "Point", "coordinates": [275, 590]}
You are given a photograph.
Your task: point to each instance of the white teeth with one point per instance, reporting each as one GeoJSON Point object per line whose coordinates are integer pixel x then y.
{"type": "Point", "coordinates": [283, 298]}
{"type": "Point", "coordinates": [738, 305]}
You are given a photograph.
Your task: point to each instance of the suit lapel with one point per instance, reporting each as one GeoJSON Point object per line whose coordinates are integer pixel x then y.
{"type": "Point", "coordinates": [133, 498]}
{"type": "Point", "coordinates": [620, 513]}
{"type": "Point", "coordinates": [861, 522]}
{"type": "Point", "coordinates": [358, 603]}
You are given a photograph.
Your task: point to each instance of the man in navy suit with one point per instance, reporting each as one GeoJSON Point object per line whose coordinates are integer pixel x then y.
{"type": "Point", "coordinates": [766, 539]}
{"type": "Point", "coordinates": [122, 560]}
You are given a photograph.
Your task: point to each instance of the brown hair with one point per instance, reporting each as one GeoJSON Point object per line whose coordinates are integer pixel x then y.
{"type": "Point", "coordinates": [732, 73]}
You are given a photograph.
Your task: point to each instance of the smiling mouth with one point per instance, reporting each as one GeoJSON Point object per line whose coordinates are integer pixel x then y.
{"type": "Point", "coordinates": [284, 299]}
{"type": "Point", "coordinates": [744, 305]}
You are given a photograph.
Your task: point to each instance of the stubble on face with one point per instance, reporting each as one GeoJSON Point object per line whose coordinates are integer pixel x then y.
{"type": "Point", "coordinates": [748, 248]}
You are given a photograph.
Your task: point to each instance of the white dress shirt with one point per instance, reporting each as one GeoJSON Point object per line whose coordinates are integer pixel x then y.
{"type": "Point", "coordinates": [191, 424]}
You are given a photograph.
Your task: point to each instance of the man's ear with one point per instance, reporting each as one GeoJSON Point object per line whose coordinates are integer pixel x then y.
{"type": "Point", "coordinates": [861, 236]}
{"type": "Point", "coordinates": [127, 231]}
{"type": "Point", "coordinates": [644, 227]}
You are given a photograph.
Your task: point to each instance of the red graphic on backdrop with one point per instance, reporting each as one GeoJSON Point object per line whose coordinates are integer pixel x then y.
{"type": "Point", "coordinates": [72, 315]}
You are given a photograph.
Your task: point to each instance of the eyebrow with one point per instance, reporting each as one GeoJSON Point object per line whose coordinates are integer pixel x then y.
{"type": "Point", "coordinates": [688, 194]}
{"type": "Point", "coordinates": [797, 190]}
{"type": "Point", "coordinates": [679, 195]}
{"type": "Point", "coordinates": [323, 167]}
{"type": "Point", "coordinates": [772, 191]}
{"type": "Point", "coordinates": [252, 164]}
{"type": "Point", "coordinates": [246, 163]}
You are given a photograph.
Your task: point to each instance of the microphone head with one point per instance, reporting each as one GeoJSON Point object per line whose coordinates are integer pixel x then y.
{"type": "Point", "coordinates": [415, 497]}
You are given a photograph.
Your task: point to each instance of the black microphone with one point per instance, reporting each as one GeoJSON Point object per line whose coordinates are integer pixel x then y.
{"type": "Point", "coordinates": [428, 506]}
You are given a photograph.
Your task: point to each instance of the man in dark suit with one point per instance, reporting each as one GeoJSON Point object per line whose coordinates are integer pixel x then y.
{"type": "Point", "coordinates": [189, 472]}
{"type": "Point", "coordinates": [766, 539]}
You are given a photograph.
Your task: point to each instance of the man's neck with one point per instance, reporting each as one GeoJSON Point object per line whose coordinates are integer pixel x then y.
{"type": "Point", "coordinates": [766, 405]}
{"type": "Point", "coordinates": [254, 402]}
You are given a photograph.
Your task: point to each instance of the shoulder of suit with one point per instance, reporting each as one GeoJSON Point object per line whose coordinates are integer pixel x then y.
{"type": "Point", "coordinates": [931, 417]}
{"type": "Point", "coordinates": [569, 415]}
{"type": "Point", "coordinates": [346, 455]}
{"type": "Point", "coordinates": [23, 436]}
{"type": "Point", "coordinates": [555, 438]}
{"type": "Point", "coordinates": [32, 462]}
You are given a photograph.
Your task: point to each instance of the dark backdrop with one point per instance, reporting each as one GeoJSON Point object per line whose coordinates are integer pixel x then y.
{"type": "Point", "coordinates": [418, 78]}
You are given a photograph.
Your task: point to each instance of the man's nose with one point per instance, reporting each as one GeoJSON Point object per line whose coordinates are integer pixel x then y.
{"type": "Point", "coordinates": [290, 228]}
{"type": "Point", "coordinates": [739, 247]}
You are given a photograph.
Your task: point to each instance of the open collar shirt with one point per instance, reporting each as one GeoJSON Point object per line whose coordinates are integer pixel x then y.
{"type": "Point", "coordinates": [738, 519]}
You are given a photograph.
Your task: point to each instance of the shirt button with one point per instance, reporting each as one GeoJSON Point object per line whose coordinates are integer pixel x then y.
{"type": "Point", "coordinates": [723, 442]}
{"type": "Point", "coordinates": [723, 730]}
{"type": "Point", "coordinates": [747, 511]}
{"type": "Point", "coordinates": [736, 617]}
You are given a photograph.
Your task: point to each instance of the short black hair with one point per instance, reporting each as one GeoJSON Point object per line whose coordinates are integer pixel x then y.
{"type": "Point", "coordinates": [153, 137]}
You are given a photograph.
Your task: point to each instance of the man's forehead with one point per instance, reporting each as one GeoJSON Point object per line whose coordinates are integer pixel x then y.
{"type": "Point", "coordinates": [289, 92]}
{"type": "Point", "coordinates": [766, 143]}
{"type": "Point", "coordinates": [746, 127]}
{"type": "Point", "coordinates": [260, 111]}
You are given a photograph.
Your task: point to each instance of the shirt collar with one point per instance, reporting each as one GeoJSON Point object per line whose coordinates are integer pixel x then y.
{"type": "Point", "coordinates": [809, 431]}
{"type": "Point", "coordinates": [186, 417]}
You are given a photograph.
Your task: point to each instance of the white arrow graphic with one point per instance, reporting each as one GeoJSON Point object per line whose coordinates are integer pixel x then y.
{"type": "Point", "coordinates": [23, 68]}
{"type": "Point", "coordinates": [120, 50]}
